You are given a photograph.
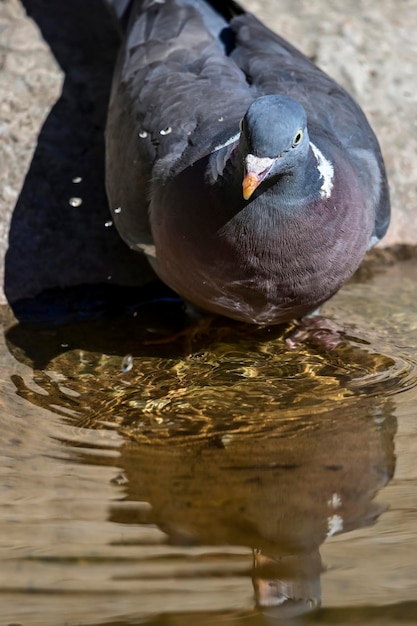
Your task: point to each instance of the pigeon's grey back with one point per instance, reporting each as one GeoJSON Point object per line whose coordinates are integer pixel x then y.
{"type": "Point", "coordinates": [217, 60]}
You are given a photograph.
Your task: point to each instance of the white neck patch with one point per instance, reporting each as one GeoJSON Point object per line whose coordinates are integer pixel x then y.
{"type": "Point", "coordinates": [326, 171]}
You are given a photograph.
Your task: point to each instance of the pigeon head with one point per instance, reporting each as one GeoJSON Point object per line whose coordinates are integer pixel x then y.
{"type": "Point", "coordinates": [274, 138]}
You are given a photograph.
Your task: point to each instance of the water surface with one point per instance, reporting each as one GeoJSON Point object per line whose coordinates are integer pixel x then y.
{"type": "Point", "coordinates": [216, 476]}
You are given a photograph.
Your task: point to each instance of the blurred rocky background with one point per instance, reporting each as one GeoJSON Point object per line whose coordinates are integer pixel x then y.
{"type": "Point", "coordinates": [55, 70]}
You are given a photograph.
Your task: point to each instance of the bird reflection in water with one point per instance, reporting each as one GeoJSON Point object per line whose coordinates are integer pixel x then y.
{"type": "Point", "coordinates": [281, 493]}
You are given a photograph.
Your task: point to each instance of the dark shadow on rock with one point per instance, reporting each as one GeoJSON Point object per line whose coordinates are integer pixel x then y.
{"type": "Point", "coordinates": [51, 243]}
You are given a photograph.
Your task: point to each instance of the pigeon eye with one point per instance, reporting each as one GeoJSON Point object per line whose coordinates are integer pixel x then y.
{"type": "Point", "coordinates": [297, 139]}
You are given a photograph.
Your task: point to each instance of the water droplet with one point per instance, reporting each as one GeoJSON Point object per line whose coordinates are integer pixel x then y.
{"type": "Point", "coordinates": [64, 345]}
{"type": "Point", "coordinates": [109, 277]}
{"type": "Point", "coordinates": [166, 131]}
{"type": "Point", "coordinates": [118, 209]}
{"type": "Point", "coordinates": [75, 202]}
{"type": "Point", "coordinates": [108, 223]}
{"type": "Point", "coordinates": [77, 179]}
{"type": "Point", "coordinates": [221, 119]}
{"type": "Point", "coordinates": [226, 440]}
{"type": "Point", "coordinates": [127, 363]}
{"type": "Point", "coordinates": [120, 479]}
{"type": "Point", "coordinates": [143, 134]}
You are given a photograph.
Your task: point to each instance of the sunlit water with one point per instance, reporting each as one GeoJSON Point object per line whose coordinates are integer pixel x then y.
{"type": "Point", "coordinates": [217, 477]}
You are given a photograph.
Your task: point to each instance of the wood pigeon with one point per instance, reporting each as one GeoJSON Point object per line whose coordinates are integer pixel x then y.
{"type": "Point", "coordinates": [251, 181]}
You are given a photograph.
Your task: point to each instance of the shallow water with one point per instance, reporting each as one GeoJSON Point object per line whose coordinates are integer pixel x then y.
{"type": "Point", "coordinates": [207, 478]}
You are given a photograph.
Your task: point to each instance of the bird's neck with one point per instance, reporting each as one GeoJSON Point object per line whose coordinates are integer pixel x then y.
{"type": "Point", "coordinates": [304, 184]}
{"type": "Point", "coordinates": [310, 181]}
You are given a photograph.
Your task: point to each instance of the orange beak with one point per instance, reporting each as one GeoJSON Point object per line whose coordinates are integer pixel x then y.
{"type": "Point", "coordinates": [249, 184]}
{"type": "Point", "coordinates": [257, 169]}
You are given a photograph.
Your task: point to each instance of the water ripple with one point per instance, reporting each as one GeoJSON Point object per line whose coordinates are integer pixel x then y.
{"type": "Point", "coordinates": [236, 378]}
